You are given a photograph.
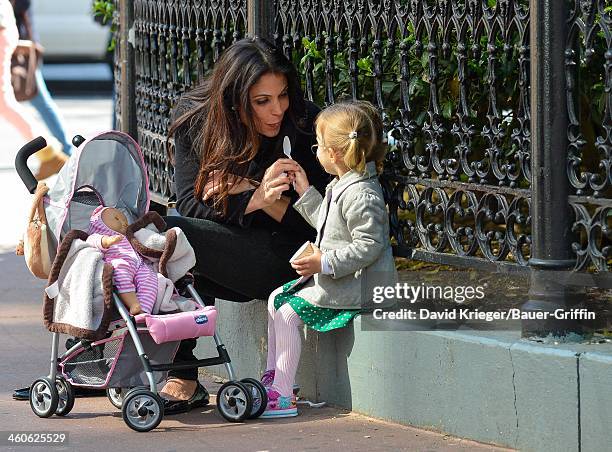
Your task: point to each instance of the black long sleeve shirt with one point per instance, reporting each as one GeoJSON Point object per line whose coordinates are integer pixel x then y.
{"type": "Point", "coordinates": [187, 166]}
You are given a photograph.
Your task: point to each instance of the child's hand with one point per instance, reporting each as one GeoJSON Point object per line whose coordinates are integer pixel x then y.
{"type": "Point", "coordinates": [308, 265]}
{"type": "Point", "coordinates": [300, 181]}
{"type": "Point", "coordinates": [108, 241]}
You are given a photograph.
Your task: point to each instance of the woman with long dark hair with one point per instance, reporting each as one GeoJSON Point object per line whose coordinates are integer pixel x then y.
{"type": "Point", "coordinates": [234, 183]}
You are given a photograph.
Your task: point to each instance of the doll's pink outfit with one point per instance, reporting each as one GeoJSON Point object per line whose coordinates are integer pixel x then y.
{"type": "Point", "coordinates": [130, 272]}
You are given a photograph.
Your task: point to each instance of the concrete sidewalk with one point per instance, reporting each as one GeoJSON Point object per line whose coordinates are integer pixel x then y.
{"type": "Point", "coordinates": [94, 422]}
{"type": "Point", "coordinates": [95, 425]}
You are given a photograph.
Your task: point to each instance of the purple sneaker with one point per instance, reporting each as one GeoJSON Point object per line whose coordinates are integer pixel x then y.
{"type": "Point", "coordinates": [267, 378]}
{"type": "Point", "coordinates": [279, 406]}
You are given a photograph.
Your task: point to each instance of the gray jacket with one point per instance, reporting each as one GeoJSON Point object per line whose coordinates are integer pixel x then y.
{"type": "Point", "coordinates": [355, 240]}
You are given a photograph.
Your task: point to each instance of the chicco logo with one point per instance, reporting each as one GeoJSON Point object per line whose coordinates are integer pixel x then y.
{"type": "Point", "coordinates": [201, 319]}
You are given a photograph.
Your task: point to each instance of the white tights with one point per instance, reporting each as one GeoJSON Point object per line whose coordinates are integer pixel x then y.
{"type": "Point", "coordinates": [284, 345]}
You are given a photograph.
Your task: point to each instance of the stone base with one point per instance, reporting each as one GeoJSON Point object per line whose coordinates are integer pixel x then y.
{"type": "Point", "coordinates": [491, 387]}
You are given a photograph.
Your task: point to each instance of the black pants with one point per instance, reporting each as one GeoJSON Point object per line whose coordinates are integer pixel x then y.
{"type": "Point", "coordinates": [234, 264]}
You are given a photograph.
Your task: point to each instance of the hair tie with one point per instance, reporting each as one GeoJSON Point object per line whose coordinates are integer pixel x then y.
{"type": "Point", "coordinates": [352, 135]}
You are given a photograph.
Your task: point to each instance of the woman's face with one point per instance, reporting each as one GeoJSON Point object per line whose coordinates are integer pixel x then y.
{"type": "Point", "coordinates": [269, 101]}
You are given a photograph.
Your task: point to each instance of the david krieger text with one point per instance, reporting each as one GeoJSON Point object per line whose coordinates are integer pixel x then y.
{"type": "Point", "coordinates": [487, 316]}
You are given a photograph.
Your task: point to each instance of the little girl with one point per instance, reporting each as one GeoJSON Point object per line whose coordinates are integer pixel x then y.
{"type": "Point", "coordinates": [352, 244]}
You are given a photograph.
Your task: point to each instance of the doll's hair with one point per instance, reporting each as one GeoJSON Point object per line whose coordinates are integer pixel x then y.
{"type": "Point", "coordinates": [353, 129]}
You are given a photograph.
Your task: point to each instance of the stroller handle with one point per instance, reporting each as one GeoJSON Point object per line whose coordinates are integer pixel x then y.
{"type": "Point", "coordinates": [21, 162]}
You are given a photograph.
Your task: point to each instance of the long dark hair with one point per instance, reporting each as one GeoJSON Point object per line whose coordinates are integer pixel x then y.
{"type": "Point", "coordinates": [210, 111]}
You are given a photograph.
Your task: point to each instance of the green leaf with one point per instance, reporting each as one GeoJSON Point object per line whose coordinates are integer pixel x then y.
{"type": "Point", "coordinates": [103, 8]}
{"type": "Point", "coordinates": [420, 119]}
{"type": "Point", "coordinates": [365, 64]}
{"type": "Point", "coordinates": [447, 109]}
{"type": "Point", "coordinates": [414, 85]}
{"type": "Point", "coordinates": [425, 60]}
{"type": "Point", "coordinates": [388, 87]}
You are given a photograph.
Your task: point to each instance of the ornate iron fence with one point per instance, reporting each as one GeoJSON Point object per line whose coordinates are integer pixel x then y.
{"type": "Point", "coordinates": [458, 178]}
{"type": "Point", "coordinates": [173, 44]}
{"type": "Point", "coordinates": [588, 64]}
{"type": "Point", "coordinates": [498, 111]}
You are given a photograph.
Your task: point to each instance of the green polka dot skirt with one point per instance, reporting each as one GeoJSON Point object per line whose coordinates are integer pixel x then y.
{"type": "Point", "coordinates": [317, 318]}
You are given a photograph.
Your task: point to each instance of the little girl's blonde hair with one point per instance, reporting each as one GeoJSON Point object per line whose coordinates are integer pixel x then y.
{"type": "Point", "coordinates": [353, 129]}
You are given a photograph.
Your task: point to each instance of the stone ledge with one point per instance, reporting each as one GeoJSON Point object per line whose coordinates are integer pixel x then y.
{"type": "Point", "coordinates": [492, 387]}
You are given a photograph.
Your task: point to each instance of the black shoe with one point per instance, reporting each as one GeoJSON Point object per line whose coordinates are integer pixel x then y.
{"type": "Point", "coordinates": [21, 394]}
{"type": "Point", "coordinates": [198, 399]}
{"type": "Point", "coordinates": [24, 393]}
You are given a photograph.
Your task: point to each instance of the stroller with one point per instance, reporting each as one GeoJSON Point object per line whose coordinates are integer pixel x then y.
{"type": "Point", "coordinates": [109, 170]}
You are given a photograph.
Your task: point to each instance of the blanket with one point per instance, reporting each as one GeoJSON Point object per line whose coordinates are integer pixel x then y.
{"type": "Point", "coordinates": [78, 299]}
{"type": "Point", "coordinates": [165, 290]}
{"type": "Point", "coordinates": [169, 250]}
{"type": "Point", "coordinates": [168, 301]}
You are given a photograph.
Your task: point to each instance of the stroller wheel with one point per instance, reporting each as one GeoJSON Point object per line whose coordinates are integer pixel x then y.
{"type": "Point", "coordinates": [65, 393]}
{"type": "Point", "coordinates": [43, 397]}
{"type": "Point", "coordinates": [142, 410]}
{"type": "Point", "coordinates": [259, 395]}
{"type": "Point", "coordinates": [116, 396]}
{"type": "Point", "coordinates": [234, 401]}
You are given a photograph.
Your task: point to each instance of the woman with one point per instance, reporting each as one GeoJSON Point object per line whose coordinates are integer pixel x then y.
{"type": "Point", "coordinates": [42, 102]}
{"type": "Point", "coordinates": [13, 112]}
{"type": "Point", "coordinates": [10, 109]}
{"type": "Point", "coordinates": [233, 183]}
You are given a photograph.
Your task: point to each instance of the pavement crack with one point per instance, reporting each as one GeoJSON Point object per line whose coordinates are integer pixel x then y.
{"type": "Point", "coordinates": [514, 393]}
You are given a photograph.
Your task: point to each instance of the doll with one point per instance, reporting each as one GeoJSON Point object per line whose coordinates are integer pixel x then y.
{"type": "Point", "coordinates": [133, 278]}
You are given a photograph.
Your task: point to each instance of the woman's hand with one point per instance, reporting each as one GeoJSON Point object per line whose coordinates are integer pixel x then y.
{"type": "Point", "coordinates": [275, 181]}
{"type": "Point", "coordinates": [308, 265]}
{"type": "Point", "coordinates": [300, 181]}
{"type": "Point", "coordinates": [235, 185]}
{"type": "Point", "coordinates": [282, 167]}
{"type": "Point", "coordinates": [271, 191]}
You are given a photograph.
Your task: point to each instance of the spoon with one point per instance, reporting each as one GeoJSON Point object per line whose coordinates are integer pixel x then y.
{"type": "Point", "coordinates": [287, 151]}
